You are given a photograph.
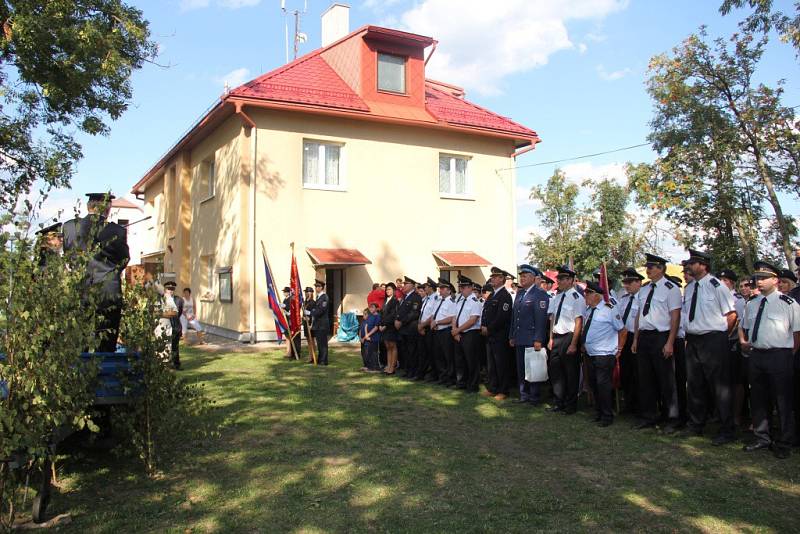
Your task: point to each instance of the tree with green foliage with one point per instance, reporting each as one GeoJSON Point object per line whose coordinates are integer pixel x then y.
{"type": "Point", "coordinates": [764, 18]}
{"type": "Point", "coordinates": [559, 216]}
{"type": "Point", "coordinates": [726, 145]}
{"type": "Point", "coordinates": [65, 67]}
{"type": "Point", "coordinates": [601, 230]}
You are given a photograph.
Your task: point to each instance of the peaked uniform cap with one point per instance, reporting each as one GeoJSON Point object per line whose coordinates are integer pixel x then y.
{"type": "Point", "coordinates": [763, 269]}
{"type": "Point", "coordinates": [593, 286]}
{"type": "Point", "coordinates": [464, 281]}
{"type": "Point", "coordinates": [631, 274]}
{"type": "Point", "coordinates": [699, 257]}
{"type": "Point", "coordinates": [652, 259]}
{"type": "Point", "coordinates": [565, 271]}
{"type": "Point", "coordinates": [729, 274]}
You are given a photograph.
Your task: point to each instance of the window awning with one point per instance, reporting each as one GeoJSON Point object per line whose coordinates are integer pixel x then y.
{"type": "Point", "coordinates": [337, 256]}
{"type": "Point", "coordinates": [462, 258]}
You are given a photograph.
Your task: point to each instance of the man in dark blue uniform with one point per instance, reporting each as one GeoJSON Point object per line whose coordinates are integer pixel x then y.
{"type": "Point", "coordinates": [495, 324]}
{"type": "Point", "coordinates": [528, 327]}
{"type": "Point", "coordinates": [406, 325]}
{"type": "Point", "coordinates": [109, 243]}
{"type": "Point", "coordinates": [320, 323]}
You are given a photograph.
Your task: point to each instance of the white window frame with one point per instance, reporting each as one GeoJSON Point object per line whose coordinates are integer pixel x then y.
{"type": "Point", "coordinates": [404, 91]}
{"type": "Point", "coordinates": [469, 193]}
{"type": "Point", "coordinates": [342, 185]}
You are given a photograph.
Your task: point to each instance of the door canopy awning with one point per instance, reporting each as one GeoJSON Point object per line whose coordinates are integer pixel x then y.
{"type": "Point", "coordinates": [457, 259]}
{"type": "Point", "coordinates": [342, 257]}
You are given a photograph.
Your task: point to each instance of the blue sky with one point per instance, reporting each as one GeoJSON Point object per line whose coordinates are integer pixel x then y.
{"type": "Point", "coordinates": [573, 70]}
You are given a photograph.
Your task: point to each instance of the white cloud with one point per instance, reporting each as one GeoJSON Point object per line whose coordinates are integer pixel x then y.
{"type": "Point", "coordinates": [523, 198]}
{"type": "Point", "coordinates": [236, 4]}
{"type": "Point", "coordinates": [582, 48]}
{"type": "Point", "coordinates": [234, 78]}
{"type": "Point", "coordinates": [613, 75]}
{"type": "Point", "coordinates": [484, 42]}
{"type": "Point", "coordinates": [188, 5]}
{"type": "Point", "coordinates": [579, 172]}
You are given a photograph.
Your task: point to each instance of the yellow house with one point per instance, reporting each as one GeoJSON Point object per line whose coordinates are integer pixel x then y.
{"type": "Point", "coordinates": [349, 152]}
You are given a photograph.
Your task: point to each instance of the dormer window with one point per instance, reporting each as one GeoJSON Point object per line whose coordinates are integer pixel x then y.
{"type": "Point", "coordinates": [391, 73]}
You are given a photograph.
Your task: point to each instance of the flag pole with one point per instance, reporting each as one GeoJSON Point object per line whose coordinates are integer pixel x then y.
{"type": "Point", "coordinates": [296, 345]}
{"type": "Point", "coordinates": [271, 273]}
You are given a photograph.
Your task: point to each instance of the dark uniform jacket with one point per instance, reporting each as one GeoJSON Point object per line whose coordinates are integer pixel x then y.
{"type": "Point", "coordinates": [319, 314]}
{"type": "Point", "coordinates": [529, 317]}
{"type": "Point", "coordinates": [389, 313]}
{"type": "Point", "coordinates": [408, 313]}
{"type": "Point", "coordinates": [111, 257]}
{"type": "Point", "coordinates": [496, 316]}
{"type": "Point", "coordinates": [177, 329]}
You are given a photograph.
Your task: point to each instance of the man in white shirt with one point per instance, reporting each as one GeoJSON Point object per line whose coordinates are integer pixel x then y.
{"type": "Point", "coordinates": [654, 346]}
{"type": "Point", "coordinates": [771, 329]}
{"type": "Point", "coordinates": [426, 345]}
{"type": "Point", "coordinates": [629, 309]}
{"type": "Point", "coordinates": [710, 315]}
{"type": "Point", "coordinates": [466, 334]}
{"type": "Point", "coordinates": [442, 322]}
{"type": "Point", "coordinates": [566, 319]}
{"type": "Point", "coordinates": [602, 339]}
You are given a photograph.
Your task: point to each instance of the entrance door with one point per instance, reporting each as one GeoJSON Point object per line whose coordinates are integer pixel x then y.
{"type": "Point", "coordinates": [334, 287]}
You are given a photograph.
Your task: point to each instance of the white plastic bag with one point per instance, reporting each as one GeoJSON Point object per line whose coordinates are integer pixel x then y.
{"type": "Point", "coordinates": [535, 365]}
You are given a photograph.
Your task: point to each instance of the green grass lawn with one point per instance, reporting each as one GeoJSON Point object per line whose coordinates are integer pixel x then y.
{"type": "Point", "coordinates": [307, 449]}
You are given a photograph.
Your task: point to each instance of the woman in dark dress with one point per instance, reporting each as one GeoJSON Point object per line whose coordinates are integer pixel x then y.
{"type": "Point", "coordinates": [389, 333]}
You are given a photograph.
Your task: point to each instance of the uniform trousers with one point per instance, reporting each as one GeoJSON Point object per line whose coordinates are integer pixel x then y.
{"type": "Point", "coordinates": [369, 355]}
{"type": "Point", "coordinates": [499, 365]}
{"type": "Point", "coordinates": [528, 391]}
{"type": "Point", "coordinates": [656, 377]}
{"type": "Point", "coordinates": [601, 370]}
{"type": "Point", "coordinates": [679, 353]}
{"type": "Point", "coordinates": [708, 369]}
{"type": "Point", "coordinates": [445, 362]}
{"type": "Point", "coordinates": [564, 371]}
{"type": "Point", "coordinates": [467, 360]}
{"type": "Point", "coordinates": [771, 379]}
{"type": "Point", "coordinates": [321, 341]}
{"type": "Point", "coordinates": [407, 352]}
{"type": "Point", "coordinates": [629, 376]}
{"type": "Point", "coordinates": [426, 351]}
{"type": "Point", "coordinates": [796, 386]}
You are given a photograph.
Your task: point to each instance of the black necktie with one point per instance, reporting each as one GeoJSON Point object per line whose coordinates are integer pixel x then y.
{"type": "Point", "coordinates": [627, 310]}
{"type": "Point", "coordinates": [558, 311]}
{"type": "Point", "coordinates": [436, 313]}
{"type": "Point", "coordinates": [693, 306]}
{"type": "Point", "coordinates": [758, 318]}
{"type": "Point", "coordinates": [586, 326]}
{"type": "Point", "coordinates": [647, 302]}
{"type": "Point", "coordinates": [425, 303]}
{"type": "Point", "coordinates": [459, 311]}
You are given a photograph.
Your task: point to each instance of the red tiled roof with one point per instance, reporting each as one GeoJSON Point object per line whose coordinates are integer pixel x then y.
{"type": "Point", "coordinates": [453, 110]}
{"type": "Point", "coordinates": [307, 80]}
{"type": "Point", "coordinates": [460, 259]}
{"type": "Point", "coordinates": [337, 256]}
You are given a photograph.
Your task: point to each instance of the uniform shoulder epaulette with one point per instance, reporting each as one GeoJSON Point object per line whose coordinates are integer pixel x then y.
{"type": "Point", "coordinates": [669, 284]}
{"type": "Point", "coordinates": [575, 295]}
{"type": "Point", "coordinates": [787, 299]}
{"type": "Point", "coordinates": [609, 305]}
{"type": "Point", "coordinates": [481, 299]}
{"type": "Point", "coordinates": [612, 300]}
{"type": "Point", "coordinates": [737, 295]}
{"type": "Point", "coordinates": [474, 298]}
{"type": "Point", "coordinates": [714, 282]}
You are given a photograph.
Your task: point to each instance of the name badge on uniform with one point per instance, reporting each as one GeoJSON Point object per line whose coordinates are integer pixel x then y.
{"type": "Point", "coordinates": [542, 304]}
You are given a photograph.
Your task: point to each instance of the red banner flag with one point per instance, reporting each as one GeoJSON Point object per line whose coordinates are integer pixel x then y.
{"type": "Point", "coordinates": [296, 304]}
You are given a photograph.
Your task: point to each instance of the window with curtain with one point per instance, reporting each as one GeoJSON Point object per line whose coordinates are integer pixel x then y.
{"type": "Point", "coordinates": [391, 73]}
{"type": "Point", "coordinates": [322, 164]}
{"type": "Point", "coordinates": [453, 176]}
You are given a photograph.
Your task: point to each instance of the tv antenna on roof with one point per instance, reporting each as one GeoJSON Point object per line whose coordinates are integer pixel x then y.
{"type": "Point", "coordinates": [299, 37]}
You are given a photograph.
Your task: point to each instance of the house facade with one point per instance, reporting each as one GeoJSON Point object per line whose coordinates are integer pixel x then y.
{"type": "Point", "coordinates": [370, 170]}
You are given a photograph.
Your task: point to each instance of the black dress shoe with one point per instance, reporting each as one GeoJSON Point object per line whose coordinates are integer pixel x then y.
{"type": "Point", "coordinates": [781, 453]}
{"type": "Point", "coordinates": [555, 409]}
{"type": "Point", "coordinates": [757, 446]}
{"type": "Point", "coordinates": [519, 401]}
{"type": "Point", "coordinates": [722, 440]}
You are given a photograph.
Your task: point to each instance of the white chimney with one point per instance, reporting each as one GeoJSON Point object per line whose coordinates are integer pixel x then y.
{"type": "Point", "coordinates": [335, 23]}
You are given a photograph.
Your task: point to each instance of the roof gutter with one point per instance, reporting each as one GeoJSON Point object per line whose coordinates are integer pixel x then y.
{"type": "Point", "coordinates": [530, 147]}
{"type": "Point", "coordinates": [431, 54]}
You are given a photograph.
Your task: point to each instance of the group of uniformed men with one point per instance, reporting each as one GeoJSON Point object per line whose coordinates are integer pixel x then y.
{"type": "Point", "coordinates": [684, 357]}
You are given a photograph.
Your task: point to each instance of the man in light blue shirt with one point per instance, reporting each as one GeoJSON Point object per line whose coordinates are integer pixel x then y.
{"type": "Point", "coordinates": [602, 338]}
